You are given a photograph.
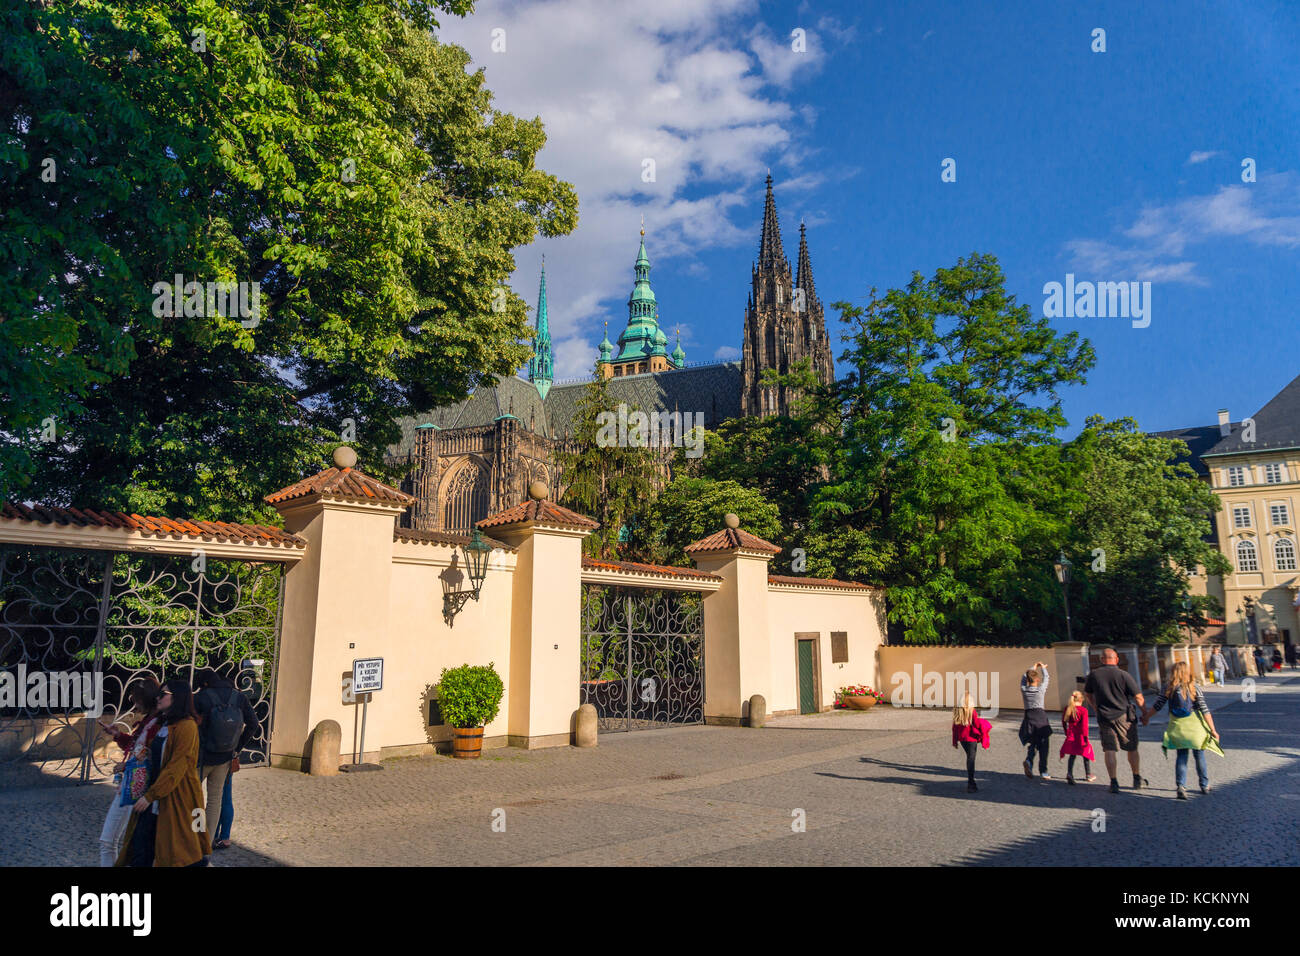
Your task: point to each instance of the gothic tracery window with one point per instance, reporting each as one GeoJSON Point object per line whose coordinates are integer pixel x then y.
{"type": "Point", "coordinates": [465, 498]}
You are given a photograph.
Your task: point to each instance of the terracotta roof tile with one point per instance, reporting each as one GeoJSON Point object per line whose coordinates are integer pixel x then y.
{"type": "Point", "coordinates": [819, 582]}
{"type": "Point", "coordinates": [635, 568]}
{"type": "Point", "coordinates": [542, 512]}
{"type": "Point", "coordinates": [346, 484]}
{"type": "Point", "coordinates": [151, 526]}
{"type": "Point", "coordinates": [730, 538]}
{"type": "Point", "coordinates": [444, 537]}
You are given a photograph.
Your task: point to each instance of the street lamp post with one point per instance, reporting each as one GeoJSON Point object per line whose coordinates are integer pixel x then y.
{"type": "Point", "coordinates": [1063, 567]}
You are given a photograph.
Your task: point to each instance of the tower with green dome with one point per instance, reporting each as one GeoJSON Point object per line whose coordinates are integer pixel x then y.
{"type": "Point", "coordinates": [642, 346]}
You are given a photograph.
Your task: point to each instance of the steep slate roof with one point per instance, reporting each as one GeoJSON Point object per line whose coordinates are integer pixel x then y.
{"type": "Point", "coordinates": [542, 512]}
{"type": "Point", "coordinates": [729, 538]}
{"type": "Point", "coordinates": [152, 527]}
{"type": "Point", "coordinates": [713, 390]}
{"type": "Point", "coordinates": [1277, 425]}
{"type": "Point", "coordinates": [1200, 439]}
{"type": "Point", "coordinates": [346, 484]}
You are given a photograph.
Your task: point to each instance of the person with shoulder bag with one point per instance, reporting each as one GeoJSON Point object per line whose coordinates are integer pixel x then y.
{"type": "Point", "coordinates": [132, 773]}
{"type": "Point", "coordinates": [228, 724]}
{"type": "Point", "coordinates": [1190, 729]}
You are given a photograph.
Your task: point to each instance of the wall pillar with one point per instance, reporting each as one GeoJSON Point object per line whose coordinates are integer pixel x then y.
{"type": "Point", "coordinates": [336, 597]}
{"type": "Point", "coordinates": [737, 638]}
{"type": "Point", "coordinates": [1130, 654]}
{"type": "Point", "coordinates": [546, 618]}
{"type": "Point", "coordinates": [1070, 663]}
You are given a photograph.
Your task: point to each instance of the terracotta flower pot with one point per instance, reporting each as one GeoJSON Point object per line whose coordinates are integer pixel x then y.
{"type": "Point", "coordinates": [859, 703]}
{"type": "Point", "coordinates": [467, 742]}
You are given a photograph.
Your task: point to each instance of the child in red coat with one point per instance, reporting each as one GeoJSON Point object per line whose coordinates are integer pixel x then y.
{"type": "Point", "coordinates": [1075, 724]}
{"type": "Point", "coordinates": [971, 731]}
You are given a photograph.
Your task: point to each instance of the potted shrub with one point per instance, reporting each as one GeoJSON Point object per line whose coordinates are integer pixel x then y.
{"type": "Point", "coordinates": [859, 697]}
{"type": "Point", "coordinates": [469, 697]}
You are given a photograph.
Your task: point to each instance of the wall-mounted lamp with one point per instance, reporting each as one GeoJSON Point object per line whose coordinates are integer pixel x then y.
{"type": "Point", "coordinates": [476, 563]}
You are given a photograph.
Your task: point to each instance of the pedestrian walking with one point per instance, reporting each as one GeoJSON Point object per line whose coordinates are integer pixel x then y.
{"type": "Point", "coordinates": [971, 731]}
{"type": "Point", "coordinates": [1290, 654]}
{"type": "Point", "coordinates": [1190, 729]}
{"type": "Point", "coordinates": [132, 772]}
{"type": "Point", "coordinates": [1260, 667]}
{"type": "Point", "coordinates": [221, 838]}
{"type": "Point", "coordinates": [228, 724]}
{"type": "Point", "coordinates": [174, 800]}
{"type": "Point", "coordinates": [1074, 724]}
{"type": "Point", "coordinates": [1035, 727]}
{"type": "Point", "coordinates": [1218, 665]}
{"type": "Point", "coordinates": [1114, 696]}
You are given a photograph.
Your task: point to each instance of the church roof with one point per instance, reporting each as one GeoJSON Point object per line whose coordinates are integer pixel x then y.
{"type": "Point", "coordinates": [713, 390]}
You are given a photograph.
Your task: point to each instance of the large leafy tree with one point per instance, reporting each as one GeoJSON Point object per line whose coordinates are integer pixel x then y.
{"type": "Point", "coordinates": [1143, 529]}
{"type": "Point", "coordinates": [951, 477]}
{"type": "Point", "coordinates": [691, 508]}
{"type": "Point", "coordinates": [606, 475]}
{"type": "Point", "coordinates": [332, 152]}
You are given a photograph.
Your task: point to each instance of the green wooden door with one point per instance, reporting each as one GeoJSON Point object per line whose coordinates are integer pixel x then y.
{"type": "Point", "coordinates": [807, 685]}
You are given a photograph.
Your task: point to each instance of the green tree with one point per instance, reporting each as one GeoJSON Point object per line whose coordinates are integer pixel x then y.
{"type": "Point", "coordinates": [604, 475]}
{"type": "Point", "coordinates": [334, 153]}
{"type": "Point", "coordinates": [689, 509]}
{"type": "Point", "coordinates": [951, 478]}
{"type": "Point", "coordinates": [1143, 529]}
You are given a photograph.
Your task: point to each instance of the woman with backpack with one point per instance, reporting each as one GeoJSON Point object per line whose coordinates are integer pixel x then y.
{"type": "Point", "coordinates": [228, 723]}
{"type": "Point", "coordinates": [132, 770]}
{"type": "Point", "coordinates": [174, 798]}
{"type": "Point", "coordinates": [1191, 727]}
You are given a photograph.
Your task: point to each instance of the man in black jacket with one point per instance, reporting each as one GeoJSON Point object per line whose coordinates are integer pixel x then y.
{"type": "Point", "coordinates": [218, 696]}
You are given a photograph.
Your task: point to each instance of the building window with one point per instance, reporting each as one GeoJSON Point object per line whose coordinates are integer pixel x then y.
{"type": "Point", "coordinates": [1246, 557]}
{"type": "Point", "coordinates": [1241, 517]}
{"type": "Point", "coordinates": [1279, 514]}
{"type": "Point", "coordinates": [1236, 476]}
{"type": "Point", "coordinates": [839, 647]}
{"type": "Point", "coordinates": [1284, 554]}
{"type": "Point", "coordinates": [1273, 474]}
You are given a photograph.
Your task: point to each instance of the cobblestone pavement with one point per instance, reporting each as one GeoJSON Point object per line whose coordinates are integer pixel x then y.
{"type": "Point", "coordinates": [880, 787]}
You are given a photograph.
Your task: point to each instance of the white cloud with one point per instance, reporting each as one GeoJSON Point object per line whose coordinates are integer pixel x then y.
{"type": "Point", "coordinates": [1200, 156]}
{"type": "Point", "coordinates": [1266, 213]}
{"type": "Point", "coordinates": [694, 85]}
{"type": "Point", "coordinates": [727, 353]}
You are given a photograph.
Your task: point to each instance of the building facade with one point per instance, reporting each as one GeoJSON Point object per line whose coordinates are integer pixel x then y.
{"type": "Point", "coordinates": [1254, 467]}
{"type": "Point", "coordinates": [477, 457]}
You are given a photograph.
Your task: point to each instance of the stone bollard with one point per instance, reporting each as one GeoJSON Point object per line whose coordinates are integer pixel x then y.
{"type": "Point", "coordinates": [757, 710]}
{"type": "Point", "coordinates": [325, 742]}
{"type": "Point", "coordinates": [584, 726]}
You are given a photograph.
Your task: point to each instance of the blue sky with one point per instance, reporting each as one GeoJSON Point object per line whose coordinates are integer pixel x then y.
{"type": "Point", "coordinates": [1115, 166]}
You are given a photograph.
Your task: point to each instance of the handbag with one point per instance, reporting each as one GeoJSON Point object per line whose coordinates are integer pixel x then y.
{"type": "Point", "coordinates": [135, 780]}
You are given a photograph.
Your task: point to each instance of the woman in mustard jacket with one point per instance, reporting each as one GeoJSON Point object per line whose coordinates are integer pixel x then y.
{"type": "Point", "coordinates": [182, 838]}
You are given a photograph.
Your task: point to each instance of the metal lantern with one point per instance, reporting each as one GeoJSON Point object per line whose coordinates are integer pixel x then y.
{"type": "Point", "coordinates": [1063, 566]}
{"type": "Point", "coordinates": [476, 560]}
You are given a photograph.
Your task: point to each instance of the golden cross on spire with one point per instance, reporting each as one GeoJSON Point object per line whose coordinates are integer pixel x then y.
{"type": "Point", "coordinates": [643, 224]}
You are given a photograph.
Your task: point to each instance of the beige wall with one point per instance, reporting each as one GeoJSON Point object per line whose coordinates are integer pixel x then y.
{"type": "Point", "coordinates": [799, 609]}
{"type": "Point", "coordinates": [997, 673]}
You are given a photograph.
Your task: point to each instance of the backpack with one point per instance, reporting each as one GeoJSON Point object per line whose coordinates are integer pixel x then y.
{"type": "Point", "coordinates": [224, 725]}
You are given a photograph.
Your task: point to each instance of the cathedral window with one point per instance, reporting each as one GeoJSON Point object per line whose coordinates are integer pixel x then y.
{"type": "Point", "coordinates": [465, 499]}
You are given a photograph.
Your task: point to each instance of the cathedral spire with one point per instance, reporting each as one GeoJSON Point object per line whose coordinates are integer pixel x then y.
{"type": "Point", "coordinates": [770, 252]}
{"type": "Point", "coordinates": [803, 277]}
{"type": "Point", "coordinates": [541, 366]}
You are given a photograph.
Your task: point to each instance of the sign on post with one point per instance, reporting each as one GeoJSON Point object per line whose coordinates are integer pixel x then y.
{"type": "Point", "coordinates": [367, 675]}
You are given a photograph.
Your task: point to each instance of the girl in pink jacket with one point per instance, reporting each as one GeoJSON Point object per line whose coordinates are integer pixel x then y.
{"type": "Point", "coordinates": [1075, 724]}
{"type": "Point", "coordinates": [971, 731]}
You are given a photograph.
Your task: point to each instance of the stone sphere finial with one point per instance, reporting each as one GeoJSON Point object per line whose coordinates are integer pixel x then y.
{"type": "Point", "coordinates": [345, 457]}
{"type": "Point", "coordinates": [538, 491]}
{"type": "Point", "coordinates": [731, 520]}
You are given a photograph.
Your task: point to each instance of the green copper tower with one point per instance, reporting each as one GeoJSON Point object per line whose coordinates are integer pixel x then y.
{"type": "Point", "coordinates": [642, 338]}
{"type": "Point", "coordinates": [541, 367]}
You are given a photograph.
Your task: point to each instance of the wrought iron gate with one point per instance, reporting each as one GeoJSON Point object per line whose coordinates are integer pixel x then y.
{"type": "Point", "coordinates": [107, 618]}
{"type": "Point", "coordinates": [642, 657]}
